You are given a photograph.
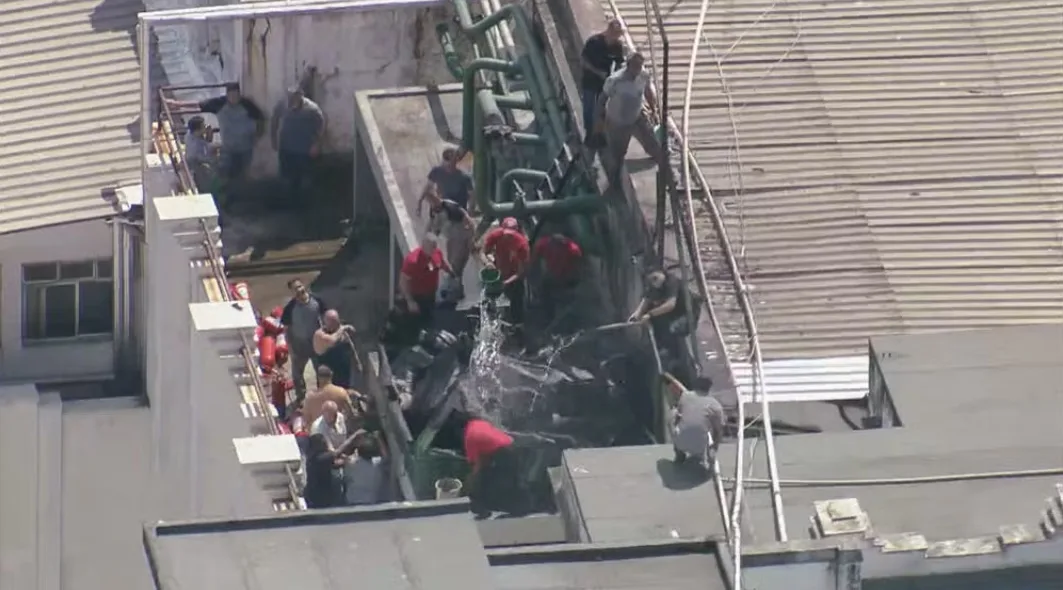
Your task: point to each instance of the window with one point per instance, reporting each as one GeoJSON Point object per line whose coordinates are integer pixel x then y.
{"type": "Point", "coordinates": [67, 299]}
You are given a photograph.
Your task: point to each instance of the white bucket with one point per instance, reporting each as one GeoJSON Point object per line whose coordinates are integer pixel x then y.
{"type": "Point", "coordinates": [448, 488]}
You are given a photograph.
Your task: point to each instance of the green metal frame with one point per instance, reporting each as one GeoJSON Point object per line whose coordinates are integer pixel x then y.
{"type": "Point", "coordinates": [497, 195]}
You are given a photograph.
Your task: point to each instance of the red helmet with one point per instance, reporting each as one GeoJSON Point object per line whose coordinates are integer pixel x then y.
{"type": "Point", "coordinates": [510, 223]}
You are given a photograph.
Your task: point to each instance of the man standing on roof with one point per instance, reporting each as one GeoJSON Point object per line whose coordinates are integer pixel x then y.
{"type": "Point", "coordinates": [452, 221]}
{"type": "Point", "coordinates": [621, 103]}
{"type": "Point", "coordinates": [562, 261]}
{"type": "Point", "coordinates": [240, 122]}
{"type": "Point", "coordinates": [602, 53]}
{"type": "Point", "coordinates": [506, 248]}
{"type": "Point", "coordinates": [419, 278]}
{"type": "Point", "coordinates": [302, 316]}
{"type": "Point", "coordinates": [697, 420]}
{"type": "Point", "coordinates": [296, 129]}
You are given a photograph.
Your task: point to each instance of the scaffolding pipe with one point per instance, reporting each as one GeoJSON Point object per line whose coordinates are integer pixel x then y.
{"type": "Point", "coordinates": [756, 360]}
{"type": "Point", "coordinates": [271, 9]}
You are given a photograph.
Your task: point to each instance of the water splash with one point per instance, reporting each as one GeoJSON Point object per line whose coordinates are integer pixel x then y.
{"type": "Point", "coordinates": [486, 386]}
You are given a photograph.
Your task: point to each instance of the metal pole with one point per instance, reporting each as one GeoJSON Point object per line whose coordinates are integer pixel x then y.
{"type": "Point", "coordinates": [354, 169]}
{"type": "Point", "coordinates": [118, 321]}
{"type": "Point", "coordinates": [266, 9]}
{"type": "Point", "coordinates": [663, 167]}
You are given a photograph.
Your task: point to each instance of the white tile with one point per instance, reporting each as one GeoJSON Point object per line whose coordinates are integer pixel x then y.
{"type": "Point", "coordinates": [185, 207]}
{"type": "Point", "coordinates": [223, 315]}
{"type": "Point", "coordinates": [256, 450]}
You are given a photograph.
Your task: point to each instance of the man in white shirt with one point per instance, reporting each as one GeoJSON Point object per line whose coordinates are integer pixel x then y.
{"type": "Point", "coordinates": [621, 103]}
{"type": "Point", "coordinates": [332, 424]}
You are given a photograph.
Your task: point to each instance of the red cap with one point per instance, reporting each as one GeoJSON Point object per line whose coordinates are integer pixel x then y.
{"type": "Point", "coordinates": [510, 223]}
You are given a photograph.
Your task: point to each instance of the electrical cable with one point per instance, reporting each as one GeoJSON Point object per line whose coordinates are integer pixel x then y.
{"type": "Point", "coordinates": [915, 480]}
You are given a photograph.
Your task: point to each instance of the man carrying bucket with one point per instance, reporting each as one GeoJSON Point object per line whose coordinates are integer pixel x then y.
{"type": "Point", "coordinates": [506, 248]}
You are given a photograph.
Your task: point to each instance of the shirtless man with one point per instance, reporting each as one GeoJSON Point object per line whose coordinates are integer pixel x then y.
{"type": "Point", "coordinates": [332, 346]}
{"type": "Point", "coordinates": [327, 391]}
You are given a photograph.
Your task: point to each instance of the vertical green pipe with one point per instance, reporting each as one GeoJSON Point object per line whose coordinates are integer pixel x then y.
{"type": "Point", "coordinates": [470, 125]}
{"type": "Point", "coordinates": [540, 77]}
{"type": "Point", "coordinates": [450, 54]}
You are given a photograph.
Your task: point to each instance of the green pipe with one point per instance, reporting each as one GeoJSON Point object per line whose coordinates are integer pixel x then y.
{"type": "Point", "coordinates": [450, 54]}
{"type": "Point", "coordinates": [513, 101]}
{"type": "Point", "coordinates": [528, 138]}
{"type": "Point", "coordinates": [489, 111]}
{"type": "Point", "coordinates": [481, 172]}
{"type": "Point", "coordinates": [504, 189]}
{"type": "Point", "coordinates": [469, 93]}
{"type": "Point", "coordinates": [492, 115]}
{"type": "Point", "coordinates": [521, 209]}
{"type": "Point", "coordinates": [540, 78]}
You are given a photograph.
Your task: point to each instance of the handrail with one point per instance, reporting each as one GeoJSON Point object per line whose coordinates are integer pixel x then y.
{"type": "Point", "coordinates": [167, 132]}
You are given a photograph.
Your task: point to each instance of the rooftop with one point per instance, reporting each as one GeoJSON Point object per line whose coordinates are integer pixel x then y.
{"type": "Point", "coordinates": [69, 100]}
{"type": "Point", "coordinates": [412, 545]}
{"type": "Point", "coordinates": [895, 166]}
{"type": "Point", "coordinates": [976, 455]}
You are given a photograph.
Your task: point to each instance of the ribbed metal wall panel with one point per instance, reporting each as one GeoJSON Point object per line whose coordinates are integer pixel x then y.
{"type": "Point", "coordinates": [69, 101]}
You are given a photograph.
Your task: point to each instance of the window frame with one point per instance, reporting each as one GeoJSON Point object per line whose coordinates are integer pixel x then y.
{"type": "Point", "coordinates": [31, 285]}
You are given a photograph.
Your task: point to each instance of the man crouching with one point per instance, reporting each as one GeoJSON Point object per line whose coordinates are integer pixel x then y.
{"type": "Point", "coordinates": [697, 421]}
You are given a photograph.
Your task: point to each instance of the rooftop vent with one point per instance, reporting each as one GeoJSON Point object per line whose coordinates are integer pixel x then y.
{"type": "Point", "coordinates": [839, 517]}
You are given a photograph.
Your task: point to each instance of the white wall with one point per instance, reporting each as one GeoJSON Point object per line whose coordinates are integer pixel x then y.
{"type": "Point", "coordinates": [42, 361]}
{"type": "Point", "coordinates": [338, 54]}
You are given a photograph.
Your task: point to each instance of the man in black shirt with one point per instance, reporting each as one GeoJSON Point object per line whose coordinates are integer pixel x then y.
{"type": "Point", "coordinates": [664, 307]}
{"type": "Point", "coordinates": [450, 219]}
{"type": "Point", "coordinates": [601, 54]}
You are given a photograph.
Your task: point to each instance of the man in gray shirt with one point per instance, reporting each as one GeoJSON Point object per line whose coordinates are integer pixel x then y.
{"type": "Point", "coordinates": [295, 130]}
{"type": "Point", "coordinates": [697, 422]}
{"type": "Point", "coordinates": [302, 317]}
{"type": "Point", "coordinates": [240, 122]}
{"type": "Point", "coordinates": [621, 103]}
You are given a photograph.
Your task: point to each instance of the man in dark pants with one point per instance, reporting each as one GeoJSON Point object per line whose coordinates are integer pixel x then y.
{"type": "Point", "coordinates": [492, 484]}
{"type": "Point", "coordinates": [602, 53]}
{"type": "Point", "coordinates": [664, 307]}
{"type": "Point", "coordinates": [562, 262]}
{"type": "Point", "coordinates": [296, 130]}
{"type": "Point", "coordinates": [506, 248]}
{"type": "Point", "coordinates": [240, 122]}
{"type": "Point", "coordinates": [302, 316]}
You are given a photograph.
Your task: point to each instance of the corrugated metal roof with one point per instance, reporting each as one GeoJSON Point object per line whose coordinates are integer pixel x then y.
{"type": "Point", "coordinates": [901, 163]}
{"type": "Point", "coordinates": [69, 101]}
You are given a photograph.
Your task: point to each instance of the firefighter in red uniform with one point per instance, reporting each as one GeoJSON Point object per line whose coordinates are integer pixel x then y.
{"type": "Point", "coordinates": [506, 248]}
{"type": "Point", "coordinates": [562, 260]}
{"type": "Point", "coordinates": [419, 280]}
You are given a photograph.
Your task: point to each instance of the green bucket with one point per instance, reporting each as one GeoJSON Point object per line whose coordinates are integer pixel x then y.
{"type": "Point", "coordinates": [491, 280]}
